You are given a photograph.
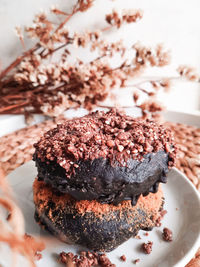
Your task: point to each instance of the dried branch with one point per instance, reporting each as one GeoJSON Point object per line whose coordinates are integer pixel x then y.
{"type": "Point", "coordinates": [31, 84]}
{"type": "Point", "coordinates": [17, 61]}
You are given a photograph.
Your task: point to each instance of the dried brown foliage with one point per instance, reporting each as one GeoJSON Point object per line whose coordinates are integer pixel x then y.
{"type": "Point", "coordinates": [31, 84]}
{"type": "Point", "coordinates": [116, 19]}
{"type": "Point", "coordinates": [151, 108]}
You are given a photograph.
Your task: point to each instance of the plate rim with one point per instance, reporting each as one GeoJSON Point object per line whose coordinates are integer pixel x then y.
{"type": "Point", "coordinates": [190, 254]}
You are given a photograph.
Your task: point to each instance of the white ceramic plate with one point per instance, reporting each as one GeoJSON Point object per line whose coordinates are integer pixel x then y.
{"type": "Point", "coordinates": [182, 202]}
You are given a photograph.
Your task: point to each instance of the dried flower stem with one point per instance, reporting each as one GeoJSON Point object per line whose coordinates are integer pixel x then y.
{"type": "Point", "coordinates": [65, 21]}
{"type": "Point", "coordinates": [17, 61]}
{"type": "Point", "coordinates": [8, 108]}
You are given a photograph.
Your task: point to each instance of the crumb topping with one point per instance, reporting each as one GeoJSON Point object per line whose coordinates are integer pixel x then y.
{"type": "Point", "coordinates": [43, 193]}
{"type": "Point", "coordinates": [111, 135]}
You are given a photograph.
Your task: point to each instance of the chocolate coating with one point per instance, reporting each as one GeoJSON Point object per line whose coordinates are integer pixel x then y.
{"type": "Point", "coordinates": [109, 157]}
{"type": "Point", "coordinates": [100, 227]}
{"type": "Point", "coordinates": [101, 181]}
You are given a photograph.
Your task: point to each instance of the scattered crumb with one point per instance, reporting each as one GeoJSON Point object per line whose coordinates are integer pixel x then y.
{"type": "Point", "coordinates": [146, 234]}
{"type": "Point", "coordinates": [8, 217]}
{"type": "Point", "coordinates": [147, 247]}
{"type": "Point", "coordinates": [176, 208]}
{"type": "Point", "coordinates": [86, 259]}
{"type": "Point", "coordinates": [104, 261]}
{"type": "Point", "coordinates": [158, 224]}
{"type": "Point", "coordinates": [123, 258]}
{"type": "Point", "coordinates": [167, 234]}
{"type": "Point", "coordinates": [162, 214]}
{"type": "Point", "coordinates": [136, 261]}
{"type": "Point", "coordinates": [137, 237]}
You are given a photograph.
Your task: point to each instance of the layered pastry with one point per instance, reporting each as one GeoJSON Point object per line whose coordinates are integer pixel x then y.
{"type": "Point", "coordinates": [99, 227]}
{"type": "Point", "coordinates": [109, 161]}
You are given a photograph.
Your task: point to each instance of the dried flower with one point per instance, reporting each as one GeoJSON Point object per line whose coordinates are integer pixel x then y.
{"type": "Point", "coordinates": [84, 5]}
{"type": "Point", "coordinates": [20, 35]}
{"type": "Point", "coordinates": [188, 72]}
{"type": "Point", "coordinates": [154, 57]}
{"type": "Point", "coordinates": [151, 106]}
{"type": "Point", "coordinates": [128, 16]}
{"type": "Point", "coordinates": [33, 84]}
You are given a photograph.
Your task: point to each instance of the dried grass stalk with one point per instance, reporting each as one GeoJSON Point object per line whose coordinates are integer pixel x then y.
{"type": "Point", "coordinates": [12, 228]}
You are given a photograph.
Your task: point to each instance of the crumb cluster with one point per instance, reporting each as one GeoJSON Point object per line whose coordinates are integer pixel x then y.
{"type": "Point", "coordinates": [86, 259]}
{"type": "Point", "coordinates": [167, 234]}
{"type": "Point", "coordinates": [147, 247]}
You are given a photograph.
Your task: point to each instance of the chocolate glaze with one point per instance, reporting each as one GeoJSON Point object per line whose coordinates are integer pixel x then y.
{"type": "Point", "coordinates": [99, 180]}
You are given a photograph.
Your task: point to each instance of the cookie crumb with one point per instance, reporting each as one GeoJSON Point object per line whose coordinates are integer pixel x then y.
{"type": "Point", "coordinates": [158, 221]}
{"type": "Point", "coordinates": [137, 237]}
{"type": "Point", "coordinates": [147, 247]}
{"type": "Point", "coordinates": [86, 259]}
{"type": "Point", "coordinates": [136, 261]}
{"type": "Point", "coordinates": [163, 213]}
{"type": "Point", "coordinates": [123, 258]}
{"type": "Point", "coordinates": [114, 129]}
{"type": "Point", "coordinates": [104, 261]}
{"type": "Point", "coordinates": [167, 235]}
{"type": "Point", "coordinates": [8, 217]}
{"type": "Point", "coordinates": [66, 258]}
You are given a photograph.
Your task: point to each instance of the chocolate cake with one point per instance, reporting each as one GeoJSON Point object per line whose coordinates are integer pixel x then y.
{"type": "Point", "coordinates": [108, 157]}
{"type": "Point", "coordinates": [100, 227]}
{"type": "Point", "coordinates": [98, 178]}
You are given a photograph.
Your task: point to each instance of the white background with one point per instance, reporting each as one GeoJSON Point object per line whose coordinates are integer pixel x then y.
{"type": "Point", "coordinates": [174, 23]}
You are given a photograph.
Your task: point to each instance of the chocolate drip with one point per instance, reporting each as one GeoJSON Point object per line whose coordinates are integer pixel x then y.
{"type": "Point", "coordinates": [101, 181]}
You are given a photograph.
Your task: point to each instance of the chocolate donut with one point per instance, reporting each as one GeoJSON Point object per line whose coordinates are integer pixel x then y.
{"type": "Point", "coordinates": [100, 227]}
{"type": "Point", "coordinates": [108, 157]}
